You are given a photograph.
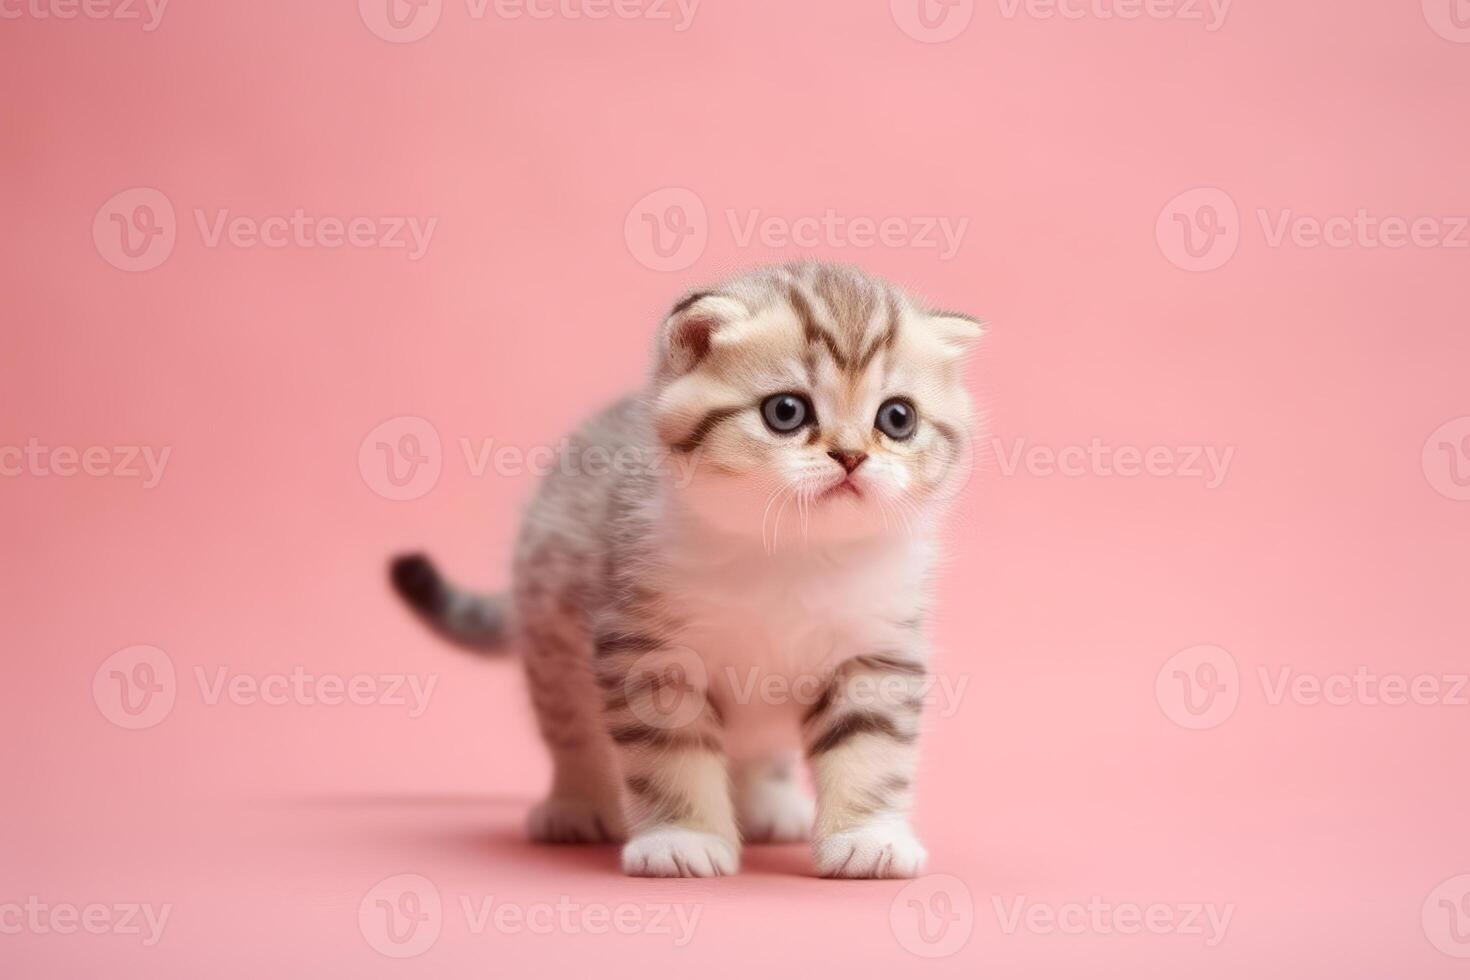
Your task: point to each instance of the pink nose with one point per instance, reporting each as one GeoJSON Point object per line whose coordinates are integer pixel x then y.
{"type": "Point", "coordinates": [849, 458]}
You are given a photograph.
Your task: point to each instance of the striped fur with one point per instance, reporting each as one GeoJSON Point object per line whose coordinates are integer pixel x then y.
{"type": "Point", "coordinates": [476, 622]}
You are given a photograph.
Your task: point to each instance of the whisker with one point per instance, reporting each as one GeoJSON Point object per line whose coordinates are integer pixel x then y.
{"type": "Point", "coordinates": [776, 531]}
{"type": "Point", "coordinates": [804, 508]}
{"type": "Point", "coordinates": [766, 513]}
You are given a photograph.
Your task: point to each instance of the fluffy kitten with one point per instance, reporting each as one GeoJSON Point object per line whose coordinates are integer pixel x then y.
{"type": "Point", "coordinates": [686, 633]}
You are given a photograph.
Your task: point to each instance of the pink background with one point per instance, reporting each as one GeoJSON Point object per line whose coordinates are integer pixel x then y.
{"type": "Point", "coordinates": [1335, 541]}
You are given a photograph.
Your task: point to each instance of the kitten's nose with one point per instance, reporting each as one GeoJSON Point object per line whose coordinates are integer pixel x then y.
{"type": "Point", "coordinates": [850, 459]}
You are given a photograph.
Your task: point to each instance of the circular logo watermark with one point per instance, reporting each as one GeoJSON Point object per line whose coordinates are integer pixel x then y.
{"type": "Point", "coordinates": [1199, 687]}
{"type": "Point", "coordinates": [1446, 459]}
{"type": "Point", "coordinates": [402, 458]}
{"type": "Point", "coordinates": [1450, 19]}
{"type": "Point", "coordinates": [667, 230]}
{"type": "Point", "coordinates": [135, 230]}
{"type": "Point", "coordinates": [933, 916]}
{"type": "Point", "coordinates": [666, 688]}
{"type": "Point", "coordinates": [933, 21]}
{"type": "Point", "coordinates": [1199, 230]}
{"type": "Point", "coordinates": [401, 916]}
{"type": "Point", "coordinates": [1446, 917]}
{"type": "Point", "coordinates": [136, 687]}
{"type": "Point", "coordinates": [400, 21]}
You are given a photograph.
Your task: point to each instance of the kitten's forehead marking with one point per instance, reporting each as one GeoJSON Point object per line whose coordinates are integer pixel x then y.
{"type": "Point", "coordinates": [864, 316]}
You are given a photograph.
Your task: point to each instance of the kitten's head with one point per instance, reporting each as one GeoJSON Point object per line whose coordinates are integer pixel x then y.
{"type": "Point", "coordinates": [814, 392]}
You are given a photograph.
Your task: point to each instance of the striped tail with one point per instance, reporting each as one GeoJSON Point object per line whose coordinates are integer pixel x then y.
{"type": "Point", "coordinates": [475, 622]}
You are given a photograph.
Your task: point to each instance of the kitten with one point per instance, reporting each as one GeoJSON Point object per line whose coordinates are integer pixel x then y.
{"type": "Point", "coordinates": [684, 635]}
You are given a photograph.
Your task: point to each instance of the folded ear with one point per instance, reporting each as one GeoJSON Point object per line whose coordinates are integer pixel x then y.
{"type": "Point", "coordinates": [691, 327]}
{"type": "Point", "coordinates": [956, 331]}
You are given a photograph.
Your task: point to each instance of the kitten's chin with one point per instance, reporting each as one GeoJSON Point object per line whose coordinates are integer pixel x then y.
{"type": "Point", "coordinates": [736, 506]}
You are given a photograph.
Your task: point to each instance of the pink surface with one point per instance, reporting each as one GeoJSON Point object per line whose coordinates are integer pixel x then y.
{"type": "Point", "coordinates": [1125, 201]}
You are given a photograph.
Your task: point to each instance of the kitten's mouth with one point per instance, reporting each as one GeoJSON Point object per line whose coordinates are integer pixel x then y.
{"type": "Point", "coordinates": [842, 489]}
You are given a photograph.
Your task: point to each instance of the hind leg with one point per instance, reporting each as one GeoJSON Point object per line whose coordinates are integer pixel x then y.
{"type": "Point", "coordinates": [577, 810]}
{"type": "Point", "coordinates": [584, 805]}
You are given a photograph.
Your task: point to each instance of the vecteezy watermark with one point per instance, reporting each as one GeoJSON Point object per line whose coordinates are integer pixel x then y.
{"type": "Point", "coordinates": [298, 229]}
{"type": "Point", "coordinates": [405, 21]}
{"type": "Point", "coordinates": [401, 21]}
{"type": "Point", "coordinates": [1201, 686]}
{"type": "Point", "coordinates": [1450, 19]}
{"type": "Point", "coordinates": [404, 915]}
{"type": "Point", "coordinates": [570, 459]}
{"type": "Point", "coordinates": [36, 459]}
{"type": "Point", "coordinates": [1211, 13]}
{"type": "Point", "coordinates": [301, 687]}
{"type": "Point", "coordinates": [933, 916]}
{"type": "Point", "coordinates": [1198, 687]}
{"type": "Point", "coordinates": [668, 230]}
{"type": "Point", "coordinates": [833, 229]}
{"type": "Point", "coordinates": [669, 688]}
{"type": "Point", "coordinates": [1363, 686]}
{"type": "Point", "coordinates": [137, 687]}
{"type": "Point", "coordinates": [1446, 917]}
{"type": "Point", "coordinates": [401, 916]}
{"type": "Point", "coordinates": [136, 230]}
{"type": "Point", "coordinates": [936, 694]}
{"type": "Point", "coordinates": [149, 13]}
{"type": "Point", "coordinates": [1208, 464]}
{"type": "Point", "coordinates": [38, 918]}
{"type": "Point", "coordinates": [937, 21]}
{"type": "Point", "coordinates": [567, 917]}
{"type": "Point", "coordinates": [1100, 917]}
{"type": "Point", "coordinates": [1362, 229]}
{"type": "Point", "coordinates": [1200, 230]}
{"type": "Point", "coordinates": [403, 458]}
{"type": "Point", "coordinates": [1446, 459]}
{"type": "Point", "coordinates": [932, 21]}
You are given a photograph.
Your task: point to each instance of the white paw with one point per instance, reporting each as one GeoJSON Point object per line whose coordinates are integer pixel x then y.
{"type": "Point", "coordinates": [570, 820]}
{"type": "Point", "coordinates": [678, 852]}
{"type": "Point", "coordinates": [776, 812]}
{"type": "Point", "coordinates": [886, 849]}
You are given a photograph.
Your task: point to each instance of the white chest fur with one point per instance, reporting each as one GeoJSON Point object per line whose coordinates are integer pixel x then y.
{"type": "Point", "coordinates": [767, 629]}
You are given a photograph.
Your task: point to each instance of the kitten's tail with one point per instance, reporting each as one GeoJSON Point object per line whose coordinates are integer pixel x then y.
{"type": "Point", "coordinates": [466, 619]}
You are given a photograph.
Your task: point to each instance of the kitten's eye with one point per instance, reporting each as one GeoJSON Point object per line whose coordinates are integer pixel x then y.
{"type": "Point", "coordinates": [898, 418]}
{"type": "Point", "coordinates": [786, 413]}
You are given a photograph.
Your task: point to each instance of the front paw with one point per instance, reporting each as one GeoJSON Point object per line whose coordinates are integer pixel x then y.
{"type": "Point", "coordinates": [670, 851]}
{"type": "Point", "coordinates": [881, 849]}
